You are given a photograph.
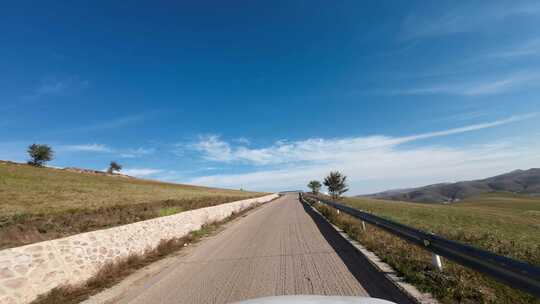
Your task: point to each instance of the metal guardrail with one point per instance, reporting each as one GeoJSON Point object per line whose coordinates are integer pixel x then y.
{"type": "Point", "coordinates": [511, 272]}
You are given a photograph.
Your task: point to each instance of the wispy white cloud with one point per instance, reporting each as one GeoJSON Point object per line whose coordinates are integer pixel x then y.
{"type": "Point", "coordinates": [242, 140]}
{"type": "Point", "coordinates": [468, 128]}
{"type": "Point", "coordinates": [87, 148]}
{"type": "Point", "coordinates": [383, 168]}
{"type": "Point", "coordinates": [474, 87]}
{"type": "Point", "coordinates": [141, 172]}
{"type": "Point", "coordinates": [102, 148]}
{"type": "Point", "coordinates": [465, 116]}
{"type": "Point", "coordinates": [527, 48]}
{"type": "Point", "coordinates": [133, 153]}
{"type": "Point", "coordinates": [214, 148]}
{"type": "Point", "coordinates": [465, 17]}
{"type": "Point", "coordinates": [366, 159]}
{"type": "Point", "coordinates": [117, 122]}
{"type": "Point", "coordinates": [56, 87]}
{"type": "Point", "coordinates": [321, 150]}
{"type": "Point", "coordinates": [497, 86]}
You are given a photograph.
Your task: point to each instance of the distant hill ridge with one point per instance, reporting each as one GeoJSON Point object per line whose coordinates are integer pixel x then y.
{"type": "Point", "coordinates": [518, 181]}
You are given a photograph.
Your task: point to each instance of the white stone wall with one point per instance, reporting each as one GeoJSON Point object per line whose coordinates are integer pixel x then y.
{"type": "Point", "coordinates": [30, 270]}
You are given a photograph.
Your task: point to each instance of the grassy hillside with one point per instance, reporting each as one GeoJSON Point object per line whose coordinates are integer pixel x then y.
{"type": "Point", "coordinates": [507, 224]}
{"type": "Point", "coordinates": [44, 203]}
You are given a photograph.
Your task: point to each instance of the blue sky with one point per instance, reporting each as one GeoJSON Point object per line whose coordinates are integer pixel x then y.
{"type": "Point", "coordinates": [268, 95]}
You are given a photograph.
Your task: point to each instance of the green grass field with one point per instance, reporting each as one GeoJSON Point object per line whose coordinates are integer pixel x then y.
{"type": "Point", "coordinates": [503, 223]}
{"type": "Point", "coordinates": [43, 203]}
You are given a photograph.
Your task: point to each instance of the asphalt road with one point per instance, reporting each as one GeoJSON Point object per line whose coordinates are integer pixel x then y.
{"type": "Point", "coordinates": [282, 248]}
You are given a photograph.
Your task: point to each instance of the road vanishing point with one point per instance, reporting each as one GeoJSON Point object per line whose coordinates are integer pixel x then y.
{"type": "Point", "coordinates": [281, 248]}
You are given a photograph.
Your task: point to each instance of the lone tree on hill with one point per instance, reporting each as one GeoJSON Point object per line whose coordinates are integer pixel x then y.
{"type": "Point", "coordinates": [315, 186]}
{"type": "Point", "coordinates": [114, 166]}
{"type": "Point", "coordinates": [39, 154]}
{"type": "Point", "coordinates": [335, 181]}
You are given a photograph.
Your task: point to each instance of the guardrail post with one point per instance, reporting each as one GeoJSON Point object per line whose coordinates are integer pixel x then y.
{"type": "Point", "coordinates": [364, 226]}
{"type": "Point", "coordinates": [436, 261]}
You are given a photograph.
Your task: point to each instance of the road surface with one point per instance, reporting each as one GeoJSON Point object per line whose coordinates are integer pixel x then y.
{"type": "Point", "coordinates": [282, 248]}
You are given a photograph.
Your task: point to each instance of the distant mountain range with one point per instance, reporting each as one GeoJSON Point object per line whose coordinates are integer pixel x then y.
{"type": "Point", "coordinates": [518, 181]}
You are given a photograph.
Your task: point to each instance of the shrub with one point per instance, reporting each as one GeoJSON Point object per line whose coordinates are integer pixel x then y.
{"type": "Point", "coordinates": [315, 186]}
{"type": "Point", "coordinates": [335, 181]}
{"type": "Point", "coordinates": [114, 166]}
{"type": "Point", "coordinates": [39, 154]}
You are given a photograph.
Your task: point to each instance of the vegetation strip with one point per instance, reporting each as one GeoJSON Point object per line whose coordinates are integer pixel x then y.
{"type": "Point", "coordinates": [514, 273]}
{"type": "Point", "coordinates": [112, 273]}
{"type": "Point", "coordinates": [40, 204]}
{"type": "Point", "coordinates": [454, 284]}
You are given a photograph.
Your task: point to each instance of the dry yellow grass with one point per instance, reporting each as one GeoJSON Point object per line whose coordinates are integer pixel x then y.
{"type": "Point", "coordinates": [39, 204]}
{"type": "Point", "coordinates": [28, 190]}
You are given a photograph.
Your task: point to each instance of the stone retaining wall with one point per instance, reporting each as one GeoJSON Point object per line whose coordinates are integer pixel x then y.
{"type": "Point", "coordinates": [30, 270]}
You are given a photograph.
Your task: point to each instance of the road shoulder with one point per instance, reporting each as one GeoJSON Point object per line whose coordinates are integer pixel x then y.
{"type": "Point", "coordinates": [144, 277]}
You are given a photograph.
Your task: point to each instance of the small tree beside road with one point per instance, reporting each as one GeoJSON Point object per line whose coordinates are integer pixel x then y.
{"type": "Point", "coordinates": [39, 154]}
{"type": "Point", "coordinates": [315, 186]}
{"type": "Point", "coordinates": [114, 166]}
{"type": "Point", "coordinates": [336, 183]}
